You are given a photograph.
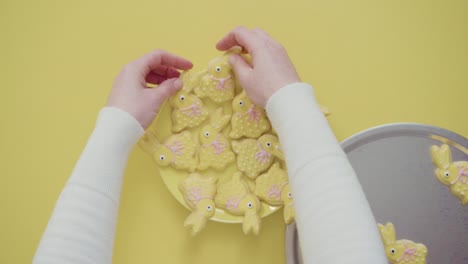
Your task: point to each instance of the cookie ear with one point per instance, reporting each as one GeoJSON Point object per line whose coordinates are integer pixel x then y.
{"type": "Point", "coordinates": [149, 143]}
{"type": "Point", "coordinates": [446, 154]}
{"type": "Point", "coordinates": [242, 94]}
{"type": "Point", "coordinates": [275, 166]}
{"type": "Point", "coordinates": [441, 156]}
{"type": "Point", "coordinates": [219, 120]}
{"type": "Point", "coordinates": [387, 233]}
{"type": "Point", "coordinates": [235, 146]}
{"type": "Point", "coordinates": [190, 80]}
{"type": "Point", "coordinates": [237, 175]}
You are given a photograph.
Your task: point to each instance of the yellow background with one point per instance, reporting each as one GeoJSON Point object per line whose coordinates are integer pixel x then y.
{"type": "Point", "coordinates": [371, 62]}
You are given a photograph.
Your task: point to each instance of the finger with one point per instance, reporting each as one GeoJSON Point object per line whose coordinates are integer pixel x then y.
{"type": "Point", "coordinates": [154, 78]}
{"type": "Point", "coordinates": [159, 57]}
{"type": "Point", "coordinates": [240, 36]}
{"type": "Point", "coordinates": [163, 91]}
{"type": "Point", "coordinates": [260, 32]}
{"type": "Point", "coordinates": [241, 67]}
{"type": "Point", "coordinates": [167, 71]}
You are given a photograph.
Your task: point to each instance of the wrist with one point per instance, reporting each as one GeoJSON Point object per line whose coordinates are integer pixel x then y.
{"type": "Point", "coordinates": [121, 129]}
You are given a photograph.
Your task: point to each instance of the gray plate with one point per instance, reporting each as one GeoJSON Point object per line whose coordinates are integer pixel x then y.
{"type": "Point", "coordinates": [394, 167]}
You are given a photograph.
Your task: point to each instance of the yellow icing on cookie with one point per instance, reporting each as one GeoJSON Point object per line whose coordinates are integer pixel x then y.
{"type": "Point", "coordinates": [218, 83]}
{"type": "Point", "coordinates": [273, 188]}
{"type": "Point", "coordinates": [178, 151]}
{"type": "Point", "coordinates": [401, 251]}
{"type": "Point", "coordinates": [215, 149]}
{"type": "Point", "coordinates": [248, 119]}
{"type": "Point", "coordinates": [255, 156]}
{"type": "Point", "coordinates": [453, 174]}
{"type": "Point", "coordinates": [235, 197]}
{"type": "Point", "coordinates": [198, 191]}
{"type": "Point", "coordinates": [189, 110]}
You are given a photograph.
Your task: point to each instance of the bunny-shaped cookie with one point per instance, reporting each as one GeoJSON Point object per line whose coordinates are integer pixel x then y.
{"type": "Point", "coordinates": [179, 150]}
{"type": "Point", "coordinates": [401, 251]}
{"type": "Point", "coordinates": [235, 197]}
{"type": "Point", "coordinates": [217, 83]}
{"type": "Point", "coordinates": [199, 192]}
{"type": "Point", "coordinates": [255, 156]}
{"type": "Point", "coordinates": [273, 188]}
{"type": "Point", "coordinates": [454, 174]}
{"type": "Point", "coordinates": [189, 110]}
{"type": "Point", "coordinates": [215, 149]}
{"type": "Point", "coordinates": [248, 120]}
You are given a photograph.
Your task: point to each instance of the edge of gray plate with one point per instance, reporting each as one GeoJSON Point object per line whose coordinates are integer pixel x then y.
{"type": "Point", "coordinates": [293, 253]}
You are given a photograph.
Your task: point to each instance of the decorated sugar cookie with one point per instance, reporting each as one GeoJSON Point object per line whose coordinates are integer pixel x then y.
{"type": "Point", "coordinates": [401, 251]}
{"type": "Point", "coordinates": [217, 83]}
{"type": "Point", "coordinates": [189, 110]}
{"type": "Point", "coordinates": [454, 174]}
{"type": "Point", "coordinates": [273, 188]}
{"type": "Point", "coordinates": [178, 151]}
{"type": "Point", "coordinates": [248, 120]}
{"type": "Point", "coordinates": [235, 197]}
{"type": "Point", "coordinates": [198, 192]}
{"type": "Point", "coordinates": [255, 156]}
{"type": "Point", "coordinates": [215, 149]}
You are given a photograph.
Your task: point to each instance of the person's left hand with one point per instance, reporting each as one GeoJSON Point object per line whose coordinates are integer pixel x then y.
{"type": "Point", "coordinates": [130, 91]}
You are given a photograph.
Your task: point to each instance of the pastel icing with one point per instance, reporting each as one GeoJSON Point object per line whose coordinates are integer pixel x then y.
{"type": "Point", "coordinates": [188, 110]}
{"type": "Point", "coordinates": [215, 149]}
{"type": "Point", "coordinates": [218, 83]}
{"type": "Point", "coordinates": [248, 120]}
{"type": "Point", "coordinates": [178, 151]}
{"type": "Point", "coordinates": [273, 188]}
{"type": "Point", "coordinates": [401, 251]}
{"type": "Point", "coordinates": [199, 191]}
{"type": "Point", "coordinates": [453, 174]}
{"type": "Point", "coordinates": [255, 156]}
{"type": "Point", "coordinates": [235, 197]}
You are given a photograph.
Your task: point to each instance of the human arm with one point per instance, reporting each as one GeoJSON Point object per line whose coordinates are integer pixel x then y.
{"type": "Point", "coordinates": [82, 226]}
{"type": "Point", "coordinates": [334, 220]}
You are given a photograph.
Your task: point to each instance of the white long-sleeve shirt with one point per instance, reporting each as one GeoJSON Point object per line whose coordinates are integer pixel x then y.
{"type": "Point", "coordinates": [334, 219]}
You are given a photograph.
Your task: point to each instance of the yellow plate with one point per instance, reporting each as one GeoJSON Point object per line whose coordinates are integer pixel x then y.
{"type": "Point", "coordinates": [162, 128]}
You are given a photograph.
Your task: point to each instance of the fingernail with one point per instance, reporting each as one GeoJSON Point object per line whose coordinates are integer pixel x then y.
{"type": "Point", "coordinates": [178, 84]}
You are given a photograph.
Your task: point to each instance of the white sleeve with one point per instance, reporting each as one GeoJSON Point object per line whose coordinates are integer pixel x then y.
{"type": "Point", "coordinates": [82, 226]}
{"type": "Point", "coordinates": [334, 220]}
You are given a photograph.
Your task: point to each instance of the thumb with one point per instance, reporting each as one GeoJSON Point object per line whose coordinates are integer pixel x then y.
{"type": "Point", "coordinates": [241, 67]}
{"type": "Point", "coordinates": [164, 90]}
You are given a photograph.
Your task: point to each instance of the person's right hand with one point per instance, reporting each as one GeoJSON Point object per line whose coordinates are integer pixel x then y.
{"type": "Point", "coordinates": [271, 67]}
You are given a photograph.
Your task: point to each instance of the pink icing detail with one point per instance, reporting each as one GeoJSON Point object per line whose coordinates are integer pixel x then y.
{"type": "Point", "coordinates": [193, 110]}
{"type": "Point", "coordinates": [221, 82]}
{"type": "Point", "coordinates": [408, 254]}
{"type": "Point", "coordinates": [275, 191]}
{"type": "Point", "coordinates": [176, 148]}
{"type": "Point", "coordinates": [218, 146]}
{"type": "Point", "coordinates": [462, 176]}
{"type": "Point", "coordinates": [262, 156]}
{"type": "Point", "coordinates": [254, 114]}
{"type": "Point", "coordinates": [195, 196]}
{"type": "Point", "coordinates": [233, 203]}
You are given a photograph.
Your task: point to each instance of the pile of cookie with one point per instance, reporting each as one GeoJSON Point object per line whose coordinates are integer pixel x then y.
{"type": "Point", "coordinates": [235, 132]}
